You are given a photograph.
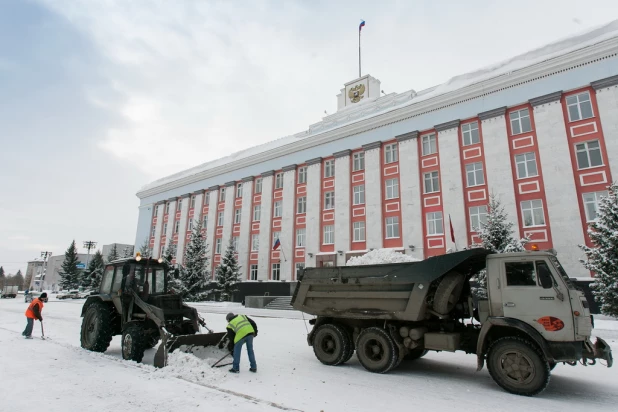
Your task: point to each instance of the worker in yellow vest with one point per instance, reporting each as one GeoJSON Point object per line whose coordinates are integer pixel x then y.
{"type": "Point", "coordinates": [240, 330]}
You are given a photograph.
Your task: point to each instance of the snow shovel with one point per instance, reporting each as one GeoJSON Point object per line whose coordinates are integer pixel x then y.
{"type": "Point", "coordinates": [42, 331]}
{"type": "Point", "coordinates": [217, 362]}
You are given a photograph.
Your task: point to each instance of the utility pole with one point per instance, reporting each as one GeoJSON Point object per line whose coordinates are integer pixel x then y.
{"type": "Point", "coordinates": [44, 255]}
{"type": "Point", "coordinates": [89, 244]}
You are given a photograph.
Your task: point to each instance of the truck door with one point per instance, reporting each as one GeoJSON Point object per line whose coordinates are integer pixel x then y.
{"type": "Point", "coordinates": [531, 294]}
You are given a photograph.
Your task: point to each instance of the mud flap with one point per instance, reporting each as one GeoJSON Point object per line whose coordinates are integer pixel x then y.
{"type": "Point", "coordinates": [170, 344]}
{"type": "Point", "coordinates": [603, 351]}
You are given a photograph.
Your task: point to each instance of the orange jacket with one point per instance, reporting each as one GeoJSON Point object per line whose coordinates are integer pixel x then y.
{"type": "Point", "coordinates": [34, 309]}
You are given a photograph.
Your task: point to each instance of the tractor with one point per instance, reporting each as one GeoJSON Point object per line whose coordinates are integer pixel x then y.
{"type": "Point", "coordinates": [136, 301]}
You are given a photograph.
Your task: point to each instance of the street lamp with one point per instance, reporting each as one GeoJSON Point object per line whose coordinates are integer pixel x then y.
{"type": "Point", "coordinates": [89, 244]}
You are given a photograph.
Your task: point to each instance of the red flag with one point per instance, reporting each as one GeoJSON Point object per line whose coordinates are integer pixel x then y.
{"type": "Point", "coordinates": [452, 230]}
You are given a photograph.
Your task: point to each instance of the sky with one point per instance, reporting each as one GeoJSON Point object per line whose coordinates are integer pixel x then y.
{"type": "Point", "coordinates": [100, 97]}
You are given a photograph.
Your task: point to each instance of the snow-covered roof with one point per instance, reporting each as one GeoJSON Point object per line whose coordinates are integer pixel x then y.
{"type": "Point", "coordinates": [398, 101]}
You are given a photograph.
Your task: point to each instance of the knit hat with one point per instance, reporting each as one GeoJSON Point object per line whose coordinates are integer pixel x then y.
{"type": "Point", "coordinates": [43, 295]}
{"type": "Point", "coordinates": [230, 316]}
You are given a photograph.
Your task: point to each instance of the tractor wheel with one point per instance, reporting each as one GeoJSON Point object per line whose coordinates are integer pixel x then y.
{"type": "Point", "coordinates": [97, 327]}
{"type": "Point", "coordinates": [416, 353]}
{"type": "Point", "coordinates": [376, 350]}
{"type": "Point", "coordinates": [134, 343]}
{"type": "Point", "coordinates": [448, 293]}
{"type": "Point", "coordinates": [331, 344]}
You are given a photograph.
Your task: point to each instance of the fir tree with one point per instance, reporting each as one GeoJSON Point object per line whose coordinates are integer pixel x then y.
{"type": "Point", "coordinates": [95, 271]}
{"type": "Point", "coordinates": [2, 277]}
{"type": "Point", "coordinates": [602, 259]}
{"type": "Point", "coordinates": [192, 281]}
{"type": "Point", "coordinates": [70, 275]}
{"type": "Point", "coordinates": [145, 249]}
{"type": "Point", "coordinates": [227, 274]}
{"type": "Point", "coordinates": [168, 257]}
{"type": "Point", "coordinates": [113, 254]}
{"type": "Point", "coordinates": [127, 252]}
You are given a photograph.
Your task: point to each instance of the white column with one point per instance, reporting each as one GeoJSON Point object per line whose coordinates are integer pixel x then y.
{"type": "Point", "coordinates": [288, 237]}
{"type": "Point", "coordinates": [156, 249]}
{"type": "Point", "coordinates": [213, 198]}
{"type": "Point", "coordinates": [245, 226]}
{"type": "Point", "coordinates": [197, 211]}
{"type": "Point", "coordinates": [171, 217]}
{"type": "Point", "coordinates": [314, 208]}
{"type": "Point", "coordinates": [342, 205]}
{"type": "Point", "coordinates": [451, 184]}
{"type": "Point", "coordinates": [373, 195]}
{"type": "Point", "coordinates": [266, 244]}
{"type": "Point", "coordinates": [607, 101]}
{"type": "Point", "coordinates": [228, 215]}
{"type": "Point", "coordinates": [559, 181]}
{"type": "Point", "coordinates": [182, 234]}
{"type": "Point", "coordinates": [498, 161]}
{"type": "Point", "coordinates": [411, 212]}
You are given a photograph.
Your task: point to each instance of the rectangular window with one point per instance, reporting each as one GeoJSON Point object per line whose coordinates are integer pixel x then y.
{"type": "Point", "coordinates": [359, 195]}
{"type": "Point", "coordinates": [255, 242]}
{"type": "Point", "coordinates": [329, 235]}
{"type": "Point", "coordinates": [218, 246]}
{"type": "Point", "coordinates": [478, 218]}
{"type": "Point", "coordinates": [299, 268]}
{"type": "Point", "coordinates": [392, 227]}
{"type": "Point", "coordinates": [470, 132]}
{"type": "Point", "coordinates": [432, 182]}
{"type": "Point", "coordinates": [276, 271]}
{"type": "Point", "coordinates": [154, 230]}
{"type": "Point", "coordinates": [278, 180]}
{"type": "Point", "coordinates": [591, 204]}
{"type": "Point", "coordinates": [220, 219]}
{"type": "Point", "coordinates": [390, 153]}
{"type": "Point", "coordinates": [177, 226]}
{"type": "Point", "coordinates": [257, 211]}
{"type": "Point", "coordinates": [190, 225]}
{"type": "Point", "coordinates": [526, 165]}
{"type": "Point", "coordinates": [520, 274]}
{"type": "Point", "coordinates": [392, 188]}
{"type": "Point", "coordinates": [222, 194]}
{"type": "Point", "coordinates": [520, 121]}
{"type": "Point", "coordinates": [579, 106]}
{"type": "Point", "coordinates": [532, 210]}
{"type": "Point", "coordinates": [205, 220]}
{"type": "Point", "coordinates": [165, 229]}
{"type": "Point", "coordinates": [235, 243]}
{"type": "Point", "coordinates": [167, 208]}
{"type": "Point", "coordinates": [301, 205]}
{"type": "Point", "coordinates": [179, 207]}
{"type": "Point", "coordinates": [192, 202]}
{"type": "Point", "coordinates": [329, 200]}
{"type": "Point", "coordinates": [430, 145]}
{"type": "Point", "coordinates": [237, 216]}
{"type": "Point", "coordinates": [239, 190]}
{"type": "Point", "coordinates": [359, 161]}
{"type": "Point", "coordinates": [253, 272]}
{"type": "Point", "coordinates": [302, 175]}
{"type": "Point", "coordinates": [588, 154]}
{"type": "Point", "coordinates": [301, 235]}
{"type": "Point", "coordinates": [435, 224]}
{"type": "Point", "coordinates": [277, 209]}
{"type": "Point", "coordinates": [258, 185]}
{"type": "Point", "coordinates": [359, 231]}
{"type": "Point", "coordinates": [474, 174]}
{"type": "Point", "coordinates": [329, 168]}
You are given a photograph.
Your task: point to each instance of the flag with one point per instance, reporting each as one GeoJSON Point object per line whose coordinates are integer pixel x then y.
{"type": "Point", "coordinates": [452, 230]}
{"type": "Point", "coordinates": [277, 244]}
{"type": "Point", "coordinates": [361, 25]}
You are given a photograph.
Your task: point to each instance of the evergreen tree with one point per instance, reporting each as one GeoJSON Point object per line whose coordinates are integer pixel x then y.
{"type": "Point", "coordinates": [145, 249]}
{"type": "Point", "coordinates": [193, 276]}
{"type": "Point", "coordinates": [113, 254]}
{"type": "Point", "coordinates": [127, 252]}
{"type": "Point", "coordinates": [227, 274]}
{"type": "Point", "coordinates": [95, 271]}
{"type": "Point", "coordinates": [70, 275]}
{"type": "Point", "coordinates": [602, 259]}
{"type": "Point", "coordinates": [2, 277]}
{"type": "Point", "coordinates": [168, 257]}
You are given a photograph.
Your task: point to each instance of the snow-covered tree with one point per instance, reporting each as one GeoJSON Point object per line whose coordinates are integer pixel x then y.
{"type": "Point", "coordinates": [94, 272]}
{"type": "Point", "coordinates": [192, 280]}
{"type": "Point", "coordinates": [602, 259]}
{"type": "Point", "coordinates": [113, 254]}
{"type": "Point", "coordinates": [70, 274]}
{"type": "Point", "coordinates": [145, 249]}
{"type": "Point", "coordinates": [2, 277]}
{"type": "Point", "coordinates": [227, 274]}
{"type": "Point", "coordinates": [127, 252]}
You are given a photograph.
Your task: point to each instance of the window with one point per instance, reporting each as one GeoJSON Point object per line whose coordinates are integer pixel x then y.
{"type": "Point", "coordinates": [299, 267]}
{"type": "Point", "coordinates": [154, 230]}
{"type": "Point", "coordinates": [237, 216]}
{"type": "Point", "coordinates": [432, 183]}
{"type": "Point", "coordinates": [526, 165]}
{"type": "Point", "coordinates": [177, 226]}
{"type": "Point", "coordinates": [205, 220]}
{"type": "Point", "coordinates": [478, 217]}
{"type": "Point", "coordinates": [392, 227]}
{"type": "Point", "coordinates": [302, 175]}
{"type": "Point", "coordinates": [167, 208]}
{"type": "Point", "coordinates": [520, 274]}
{"type": "Point", "coordinates": [532, 210]}
{"type": "Point", "coordinates": [255, 242]}
{"type": "Point", "coordinates": [392, 188]}
{"type": "Point", "coordinates": [435, 224]}
{"type": "Point", "coordinates": [235, 243]}
{"type": "Point", "coordinates": [257, 211]}
{"type": "Point", "coordinates": [301, 235]}
{"type": "Point", "coordinates": [579, 106]}
{"type": "Point", "coordinates": [329, 235]}
{"type": "Point", "coordinates": [239, 190]}
{"type": "Point", "coordinates": [258, 185]}
{"type": "Point", "coordinates": [329, 200]}
{"type": "Point", "coordinates": [218, 246]}
{"type": "Point", "coordinates": [520, 121]}
{"type": "Point", "coordinates": [192, 202]}
{"type": "Point", "coordinates": [359, 231]}
{"type": "Point", "coordinates": [277, 209]}
{"type": "Point", "coordinates": [359, 161]}
{"type": "Point", "coordinates": [588, 154]}
{"type": "Point", "coordinates": [329, 168]}
{"type": "Point", "coordinates": [253, 272]}
{"type": "Point", "coordinates": [359, 194]}
{"type": "Point", "coordinates": [591, 204]}
{"type": "Point", "coordinates": [278, 180]}
{"type": "Point", "coordinates": [190, 225]}
{"type": "Point", "coordinates": [430, 145]}
{"type": "Point", "coordinates": [106, 283]}
{"type": "Point", "coordinates": [276, 271]}
{"type": "Point", "coordinates": [165, 229]}
{"type": "Point", "coordinates": [220, 219]}
{"type": "Point", "coordinates": [470, 133]}
{"type": "Point", "coordinates": [301, 205]}
{"type": "Point", "coordinates": [222, 194]}
{"type": "Point", "coordinates": [390, 153]}
{"type": "Point", "coordinates": [474, 174]}
{"type": "Point", "coordinates": [276, 236]}
{"type": "Point", "coordinates": [179, 207]}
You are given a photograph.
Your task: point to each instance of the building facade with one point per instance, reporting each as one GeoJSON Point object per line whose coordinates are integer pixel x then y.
{"type": "Point", "coordinates": [539, 131]}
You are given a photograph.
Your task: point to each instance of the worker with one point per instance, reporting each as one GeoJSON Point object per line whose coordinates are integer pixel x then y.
{"type": "Point", "coordinates": [34, 312]}
{"type": "Point", "coordinates": [240, 330]}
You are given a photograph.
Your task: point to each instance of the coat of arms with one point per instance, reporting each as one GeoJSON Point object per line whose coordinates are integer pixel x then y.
{"type": "Point", "coordinates": [356, 93]}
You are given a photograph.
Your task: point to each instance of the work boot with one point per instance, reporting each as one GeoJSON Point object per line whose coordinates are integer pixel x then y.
{"type": "Point", "coordinates": [28, 337]}
{"type": "Point", "coordinates": [253, 370]}
{"type": "Point", "coordinates": [233, 370]}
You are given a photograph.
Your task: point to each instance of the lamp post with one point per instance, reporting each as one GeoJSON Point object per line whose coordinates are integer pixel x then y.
{"type": "Point", "coordinates": [89, 244]}
{"type": "Point", "coordinates": [44, 255]}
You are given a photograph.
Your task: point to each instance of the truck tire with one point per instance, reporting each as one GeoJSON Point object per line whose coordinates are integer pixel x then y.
{"type": "Point", "coordinates": [518, 366]}
{"type": "Point", "coordinates": [416, 353]}
{"type": "Point", "coordinates": [350, 351]}
{"type": "Point", "coordinates": [97, 327]}
{"type": "Point", "coordinates": [133, 343]}
{"type": "Point", "coordinates": [448, 292]}
{"type": "Point", "coordinates": [376, 350]}
{"type": "Point", "coordinates": [331, 344]}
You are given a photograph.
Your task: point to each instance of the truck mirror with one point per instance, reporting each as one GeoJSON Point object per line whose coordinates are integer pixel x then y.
{"type": "Point", "coordinates": [126, 269]}
{"type": "Point", "coordinates": [544, 276]}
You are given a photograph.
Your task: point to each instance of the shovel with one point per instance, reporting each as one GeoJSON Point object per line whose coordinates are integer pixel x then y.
{"type": "Point", "coordinates": [217, 362]}
{"type": "Point", "coordinates": [42, 331]}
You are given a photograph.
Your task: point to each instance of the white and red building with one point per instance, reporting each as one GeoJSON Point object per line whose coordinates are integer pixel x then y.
{"type": "Point", "coordinates": [540, 131]}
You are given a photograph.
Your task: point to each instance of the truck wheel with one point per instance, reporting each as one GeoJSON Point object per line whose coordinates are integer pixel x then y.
{"type": "Point", "coordinates": [97, 327]}
{"type": "Point", "coordinates": [133, 343]}
{"type": "Point", "coordinates": [350, 351]}
{"type": "Point", "coordinates": [448, 292]}
{"type": "Point", "coordinates": [518, 366]}
{"type": "Point", "coordinates": [376, 350]}
{"type": "Point", "coordinates": [331, 344]}
{"type": "Point", "coordinates": [416, 353]}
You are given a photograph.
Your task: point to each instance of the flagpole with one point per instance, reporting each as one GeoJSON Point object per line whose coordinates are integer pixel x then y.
{"type": "Point", "coordinates": [359, 53]}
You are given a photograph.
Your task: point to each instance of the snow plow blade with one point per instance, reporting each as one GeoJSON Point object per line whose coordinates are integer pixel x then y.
{"type": "Point", "coordinates": [186, 343]}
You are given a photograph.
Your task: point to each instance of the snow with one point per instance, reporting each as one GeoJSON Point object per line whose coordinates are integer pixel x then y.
{"type": "Point", "coordinates": [53, 374]}
{"type": "Point", "coordinates": [380, 256]}
{"type": "Point", "coordinates": [504, 68]}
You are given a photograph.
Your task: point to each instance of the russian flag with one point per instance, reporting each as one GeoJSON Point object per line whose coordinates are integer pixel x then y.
{"type": "Point", "coordinates": [361, 25]}
{"type": "Point", "coordinates": [277, 244]}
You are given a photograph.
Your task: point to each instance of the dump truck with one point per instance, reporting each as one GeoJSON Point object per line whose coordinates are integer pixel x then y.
{"type": "Point", "coordinates": [532, 319]}
{"type": "Point", "coordinates": [9, 292]}
{"type": "Point", "coordinates": [135, 300]}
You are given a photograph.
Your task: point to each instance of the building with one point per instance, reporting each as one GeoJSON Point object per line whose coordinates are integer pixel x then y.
{"type": "Point", "coordinates": [540, 131]}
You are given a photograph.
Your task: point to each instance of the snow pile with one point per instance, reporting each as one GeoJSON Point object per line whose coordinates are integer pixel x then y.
{"type": "Point", "coordinates": [380, 256]}
{"type": "Point", "coordinates": [196, 366]}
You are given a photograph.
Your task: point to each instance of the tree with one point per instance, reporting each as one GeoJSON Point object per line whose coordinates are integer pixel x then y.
{"type": "Point", "coordinates": [227, 274]}
{"type": "Point", "coordinates": [2, 277]}
{"type": "Point", "coordinates": [145, 249]}
{"type": "Point", "coordinates": [192, 280]}
{"type": "Point", "coordinates": [602, 258]}
{"type": "Point", "coordinates": [15, 280]}
{"type": "Point", "coordinates": [70, 275]}
{"type": "Point", "coordinates": [113, 254]}
{"type": "Point", "coordinates": [127, 252]}
{"type": "Point", "coordinates": [95, 271]}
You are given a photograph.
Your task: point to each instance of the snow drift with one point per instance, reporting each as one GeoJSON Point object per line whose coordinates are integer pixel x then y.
{"type": "Point", "coordinates": [380, 256]}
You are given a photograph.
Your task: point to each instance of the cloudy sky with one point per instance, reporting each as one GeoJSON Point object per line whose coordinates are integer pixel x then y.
{"type": "Point", "coordinates": [99, 97]}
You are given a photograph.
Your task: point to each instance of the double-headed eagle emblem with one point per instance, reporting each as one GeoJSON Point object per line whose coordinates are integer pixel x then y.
{"type": "Point", "coordinates": [356, 93]}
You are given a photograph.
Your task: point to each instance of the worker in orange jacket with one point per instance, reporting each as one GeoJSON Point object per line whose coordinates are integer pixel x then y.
{"type": "Point", "coordinates": [34, 312]}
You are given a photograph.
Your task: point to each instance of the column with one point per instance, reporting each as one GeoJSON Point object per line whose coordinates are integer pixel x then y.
{"type": "Point", "coordinates": [213, 197]}
{"type": "Point", "coordinates": [607, 102]}
{"type": "Point", "coordinates": [266, 244]}
{"type": "Point", "coordinates": [182, 232]}
{"type": "Point", "coordinates": [197, 210]}
{"type": "Point", "coordinates": [314, 208]}
{"type": "Point", "coordinates": [342, 205]}
{"type": "Point", "coordinates": [245, 226]}
{"type": "Point", "coordinates": [228, 215]}
{"type": "Point", "coordinates": [156, 249]}
{"type": "Point", "coordinates": [288, 237]}
{"type": "Point", "coordinates": [373, 194]}
{"type": "Point", "coordinates": [171, 219]}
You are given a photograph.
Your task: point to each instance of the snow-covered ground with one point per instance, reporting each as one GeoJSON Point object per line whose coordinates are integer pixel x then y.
{"type": "Point", "coordinates": [57, 375]}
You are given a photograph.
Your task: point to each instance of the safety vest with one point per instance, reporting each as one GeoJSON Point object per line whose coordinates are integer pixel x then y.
{"type": "Point", "coordinates": [30, 311]}
{"type": "Point", "coordinates": [241, 327]}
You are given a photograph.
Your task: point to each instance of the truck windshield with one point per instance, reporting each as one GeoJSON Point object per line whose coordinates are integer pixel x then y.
{"type": "Point", "coordinates": [562, 272]}
{"type": "Point", "coordinates": [154, 275]}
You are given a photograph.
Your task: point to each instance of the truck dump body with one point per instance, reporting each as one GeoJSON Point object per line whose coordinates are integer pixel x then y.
{"type": "Point", "coordinates": [389, 291]}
